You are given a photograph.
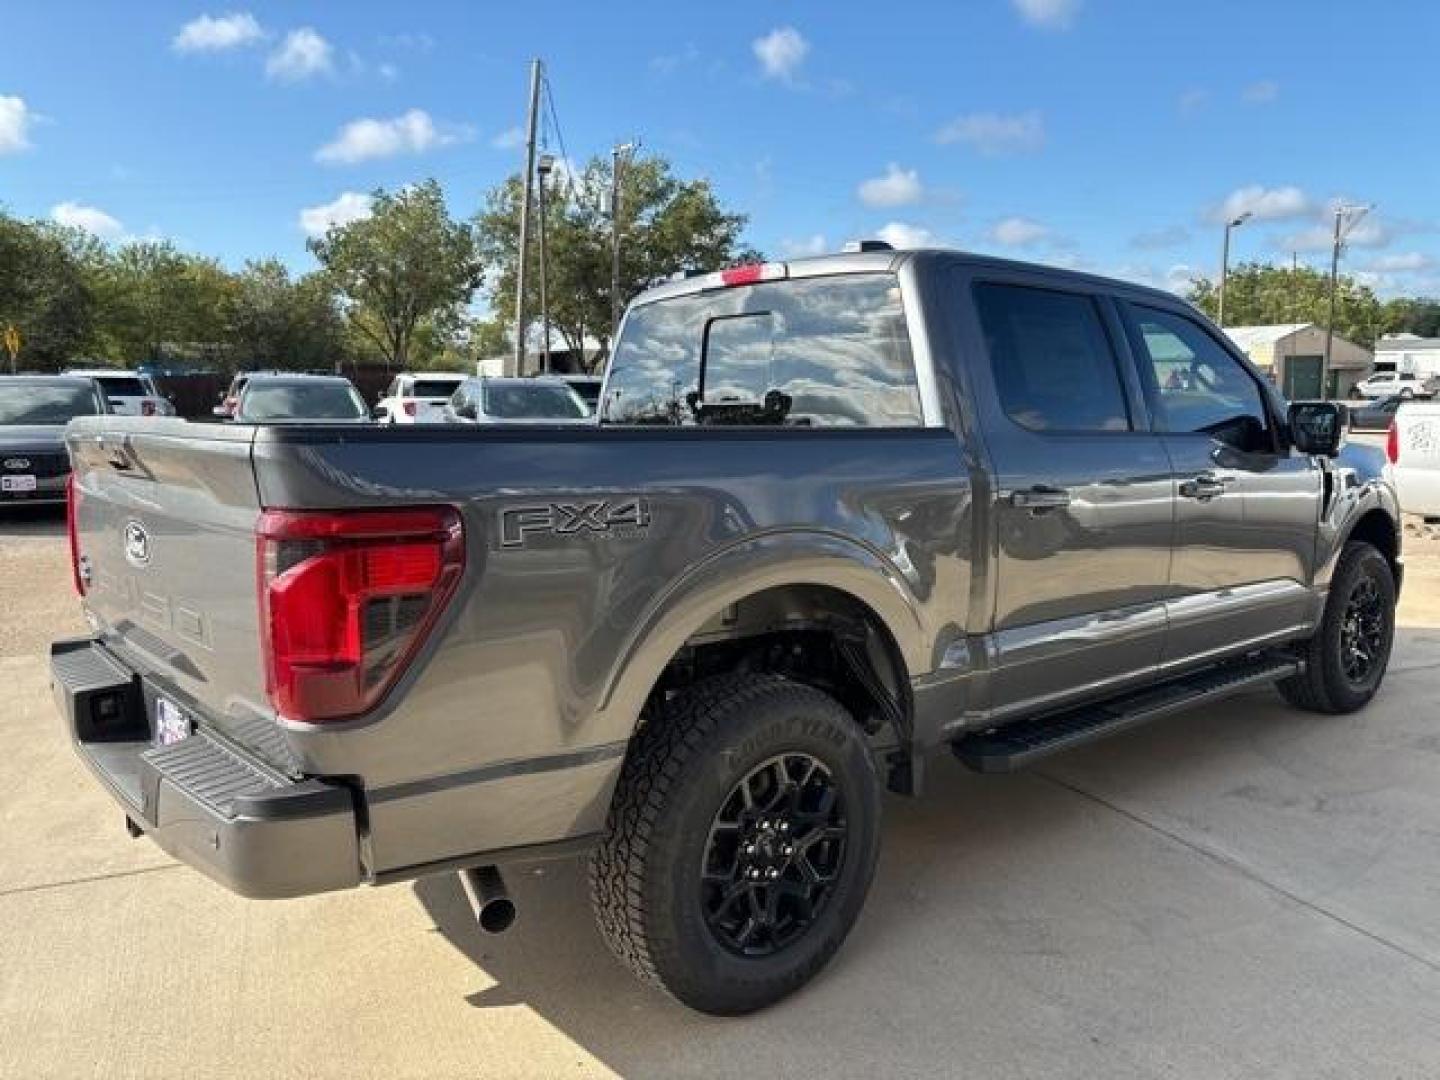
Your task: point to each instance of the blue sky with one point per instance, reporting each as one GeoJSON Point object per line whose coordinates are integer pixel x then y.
{"type": "Point", "coordinates": [1107, 134]}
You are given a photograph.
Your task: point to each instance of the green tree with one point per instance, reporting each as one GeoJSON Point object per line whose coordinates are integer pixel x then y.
{"type": "Point", "coordinates": [409, 265]}
{"type": "Point", "coordinates": [1412, 315]}
{"type": "Point", "coordinates": [668, 225]}
{"type": "Point", "coordinates": [1259, 294]}
{"type": "Point", "coordinates": [45, 291]}
{"type": "Point", "coordinates": [155, 299]}
{"type": "Point", "coordinates": [275, 321]}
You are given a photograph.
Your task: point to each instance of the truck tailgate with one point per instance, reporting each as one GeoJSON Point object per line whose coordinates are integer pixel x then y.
{"type": "Point", "coordinates": [165, 522]}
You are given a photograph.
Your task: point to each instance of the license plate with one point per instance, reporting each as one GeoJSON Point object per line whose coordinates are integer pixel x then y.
{"type": "Point", "coordinates": [17, 483]}
{"type": "Point", "coordinates": [171, 723]}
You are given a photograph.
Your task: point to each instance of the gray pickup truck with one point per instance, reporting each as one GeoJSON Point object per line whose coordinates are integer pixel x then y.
{"type": "Point", "coordinates": [834, 515]}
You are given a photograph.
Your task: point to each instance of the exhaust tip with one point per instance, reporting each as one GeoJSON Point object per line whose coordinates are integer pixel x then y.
{"type": "Point", "coordinates": [498, 915]}
{"type": "Point", "coordinates": [490, 901]}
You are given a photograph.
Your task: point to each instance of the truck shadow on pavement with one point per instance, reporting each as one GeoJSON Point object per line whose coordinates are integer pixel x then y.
{"type": "Point", "coordinates": [20, 521]}
{"type": "Point", "coordinates": [1000, 898]}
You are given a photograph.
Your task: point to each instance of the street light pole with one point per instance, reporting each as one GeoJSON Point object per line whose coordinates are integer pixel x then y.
{"type": "Point", "coordinates": [617, 161]}
{"type": "Point", "coordinates": [529, 179]}
{"type": "Point", "coordinates": [1343, 225]}
{"type": "Point", "coordinates": [547, 162]}
{"type": "Point", "coordinates": [1235, 223]}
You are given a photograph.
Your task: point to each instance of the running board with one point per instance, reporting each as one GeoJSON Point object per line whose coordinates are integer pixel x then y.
{"type": "Point", "coordinates": [1006, 748]}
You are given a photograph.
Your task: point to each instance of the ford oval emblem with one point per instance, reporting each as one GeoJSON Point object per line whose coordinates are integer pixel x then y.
{"type": "Point", "coordinates": [17, 463]}
{"type": "Point", "coordinates": [137, 543]}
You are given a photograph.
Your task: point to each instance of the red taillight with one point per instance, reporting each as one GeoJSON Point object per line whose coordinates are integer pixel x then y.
{"type": "Point", "coordinates": [346, 601]}
{"type": "Point", "coordinates": [72, 509]}
{"type": "Point", "coordinates": [1392, 444]}
{"type": "Point", "coordinates": [409, 407]}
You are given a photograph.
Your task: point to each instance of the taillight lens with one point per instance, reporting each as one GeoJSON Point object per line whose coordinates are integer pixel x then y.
{"type": "Point", "coordinates": [147, 408]}
{"type": "Point", "coordinates": [346, 601]}
{"type": "Point", "coordinates": [72, 532]}
{"type": "Point", "coordinates": [1392, 444]}
{"type": "Point", "coordinates": [409, 407]}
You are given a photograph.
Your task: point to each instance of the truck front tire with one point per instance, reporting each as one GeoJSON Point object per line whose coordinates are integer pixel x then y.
{"type": "Point", "coordinates": [1346, 658]}
{"type": "Point", "coordinates": [740, 843]}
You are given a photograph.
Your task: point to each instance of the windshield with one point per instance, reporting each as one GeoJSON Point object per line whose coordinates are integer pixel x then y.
{"type": "Point", "coordinates": [44, 403]}
{"type": "Point", "coordinates": [123, 386]}
{"type": "Point", "coordinates": [435, 388]}
{"type": "Point", "coordinates": [813, 352]}
{"type": "Point", "coordinates": [537, 401]}
{"type": "Point", "coordinates": [295, 401]}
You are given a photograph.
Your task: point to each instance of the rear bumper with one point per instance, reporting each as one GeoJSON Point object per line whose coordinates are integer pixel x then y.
{"type": "Point", "coordinates": [204, 800]}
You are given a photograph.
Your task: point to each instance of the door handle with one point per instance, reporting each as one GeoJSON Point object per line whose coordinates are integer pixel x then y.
{"type": "Point", "coordinates": [1040, 498]}
{"type": "Point", "coordinates": [1205, 486]}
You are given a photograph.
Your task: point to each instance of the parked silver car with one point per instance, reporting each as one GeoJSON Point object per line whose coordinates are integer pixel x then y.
{"type": "Point", "coordinates": [320, 399]}
{"type": "Point", "coordinates": [483, 400]}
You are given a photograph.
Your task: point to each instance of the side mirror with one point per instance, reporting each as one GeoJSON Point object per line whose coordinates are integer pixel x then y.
{"type": "Point", "coordinates": [1318, 427]}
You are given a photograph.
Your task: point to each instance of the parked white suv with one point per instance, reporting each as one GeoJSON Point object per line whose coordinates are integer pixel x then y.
{"type": "Point", "coordinates": [1403, 384]}
{"type": "Point", "coordinates": [417, 399]}
{"type": "Point", "coordinates": [127, 392]}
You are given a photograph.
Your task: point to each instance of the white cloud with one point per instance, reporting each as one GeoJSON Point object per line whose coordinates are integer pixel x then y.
{"type": "Point", "coordinates": [212, 33]}
{"type": "Point", "coordinates": [302, 54]}
{"type": "Point", "coordinates": [509, 139]}
{"type": "Point", "coordinates": [1264, 204]}
{"type": "Point", "coordinates": [996, 134]}
{"type": "Point", "coordinates": [93, 220]}
{"type": "Point", "coordinates": [413, 132]}
{"type": "Point", "coordinates": [15, 120]}
{"type": "Point", "coordinates": [388, 71]}
{"type": "Point", "coordinates": [1369, 233]}
{"type": "Point", "coordinates": [1018, 232]}
{"type": "Point", "coordinates": [809, 245]}
{"type": "Point", "coordinates": [1048, 14]}
{"type": "Point", "coordinates": [898, 187]}
{"type": "Point", "coordinates": [1261, 93]}
{"type": "Point", "coordinates": [1180, 277]}
{"type": "Point", "coordinates": [1193, 100]}
{"type": "Point", "coordinates": [780, 52]}
{"type": "Point", "coordinates": [1151, 239]}
{"type": "Point", "coordinates": [347, 207]}
{"type": "Point", "coordinates": [900, 235]}
{"type": "Point", "coordinates": [1401, 262]}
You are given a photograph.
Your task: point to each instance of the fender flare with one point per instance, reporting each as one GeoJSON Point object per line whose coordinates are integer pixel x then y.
{"type": "Point", "coordinates": [771, 560]}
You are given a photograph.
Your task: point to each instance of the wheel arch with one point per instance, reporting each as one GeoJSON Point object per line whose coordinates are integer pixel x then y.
{"type": "Point", "coordinates": [796, 578]}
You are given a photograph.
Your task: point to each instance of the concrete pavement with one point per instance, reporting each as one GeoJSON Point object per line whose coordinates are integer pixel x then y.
{"type": "Point", "coordinates": [1243, 891]}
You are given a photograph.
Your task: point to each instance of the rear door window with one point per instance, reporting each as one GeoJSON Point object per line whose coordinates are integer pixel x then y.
{"type": "Point", "coordinates": [1053, 364]}
{"type": "Point", "coordinates": [829, 351]}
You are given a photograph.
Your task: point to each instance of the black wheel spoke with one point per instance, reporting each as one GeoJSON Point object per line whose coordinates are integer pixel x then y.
{"type": "Point", "coordinates": [773, 854]}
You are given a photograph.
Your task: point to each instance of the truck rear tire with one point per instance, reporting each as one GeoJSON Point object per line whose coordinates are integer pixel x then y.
{"type": "Point", "coordinates": [1345, 660]}
{"type": "Point", "coordinates": [740, 843]}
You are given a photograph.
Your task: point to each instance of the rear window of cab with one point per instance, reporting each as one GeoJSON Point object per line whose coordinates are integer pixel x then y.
{"type": "Point", "coordinates": [830, 351]}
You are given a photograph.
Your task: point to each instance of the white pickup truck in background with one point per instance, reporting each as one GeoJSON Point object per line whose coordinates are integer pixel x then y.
{"type": "Point", "coordinates": [1412, 450]}
{"type": "Point", "coordinates": [128, 393]}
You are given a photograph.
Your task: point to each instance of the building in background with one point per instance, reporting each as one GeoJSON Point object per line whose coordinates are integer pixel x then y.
{"type": "Point", "coordinates": [1408, 354]}
{"type": "Point", "coordinates": [1293, 353]}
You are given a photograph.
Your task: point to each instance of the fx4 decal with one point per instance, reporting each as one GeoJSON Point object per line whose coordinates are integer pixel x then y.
{"type": "Point", "coordinates": [603, 518]}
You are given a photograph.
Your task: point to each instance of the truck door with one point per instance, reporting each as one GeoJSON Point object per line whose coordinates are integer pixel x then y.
{"type": "Point", "coordinates": [1247, 504]}
{"type": "Point", "coordinates": [1082, 500]}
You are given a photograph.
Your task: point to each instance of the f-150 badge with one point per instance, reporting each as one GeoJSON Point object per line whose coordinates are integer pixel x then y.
{"type": "Point", "coordinates": [599, 518]}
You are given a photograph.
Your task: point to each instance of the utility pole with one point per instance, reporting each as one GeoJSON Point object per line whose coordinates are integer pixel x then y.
{"type": "Point", "coordinates": [546, 164]}
{"type": "Point", "coordinates": [519, 361]}
{"type": "Point", "coordinates": [1343, 225]}
{"type": "Point", "coordinates": [1235, 223]}
{"type": "Point", "coordinates": [617, 161]}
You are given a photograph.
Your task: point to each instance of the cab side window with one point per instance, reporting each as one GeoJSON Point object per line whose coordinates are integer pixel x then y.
{"type": "Point", "coordinates": [1053, 364]}
{"type": "Point", "coordinates": [1195, 385]}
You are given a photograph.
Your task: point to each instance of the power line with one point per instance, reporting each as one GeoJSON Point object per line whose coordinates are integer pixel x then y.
{"type": "Point", "coordinates": [560, 138]}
